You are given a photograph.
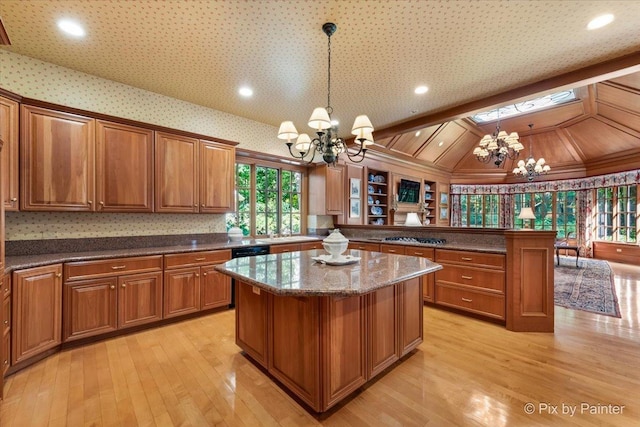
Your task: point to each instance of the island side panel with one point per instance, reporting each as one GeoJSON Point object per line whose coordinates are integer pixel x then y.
{"type": "Point", "coordinates": [411, 312]}
{"type": "Point", "coordinates": [344, 365]}
{"type": "Point", "coordinates": [252, 321]}
{"type": "Point", "coordinates": [294, 347]}
{"type": "Point", "coordinates": [383, 326]}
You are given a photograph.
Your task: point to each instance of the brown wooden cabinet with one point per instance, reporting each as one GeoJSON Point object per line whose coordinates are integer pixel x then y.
{"type": "Point", "coordinates": [287, 247]}
{"type": "Point", "coordinates": [471, 281]}
{"type": "Point", "coordinates": [57, 160]}
{"type": "Point", "coordinates": [306, 246]}
{"type": "Point", "coordinates": [37, 311]}
{"type": "Point", "coordinates": [328, 195]}
{"type": "Point", "coordinates": [217, 177]}
{"type": "Point", "coordinates": [5, 327]}
{"type": "Point", "coordinates": [193, 175]}
{"type": "Point", "coordinates": [192, 284]}
{"type": "Point", "coordinates": [124, 168]}
{"type": "Point", "coordinates": [364, 246]}
{"type": "Point", "coordinates": [252, 321]}
{"type": "Point", "coordinates": [102, 296]}
{"type": "Point", "coordinates": [9, 128]}
{"type": "Point", "coordinates": [428, 281]}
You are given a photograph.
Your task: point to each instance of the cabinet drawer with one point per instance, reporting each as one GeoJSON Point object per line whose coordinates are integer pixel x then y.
{"type": "Point", "coordinates": [278, 249]}
{"type": "Point", "coordinates": [492, 280]}
{"type": "Point", "coordinates": [6, 316]}
{"type": "Point", "coordinates": [477, 259]}
{"type": "Point", "coordinates": [6, 286]}
{"type": "Point", "coordinates": [311, 245]}
{"type": "Point", "coordinates": [196, 258]}
{"type": "Point", "coordinates": [6, 351]}
{"type": "Point", "coordinates": [392, 249]}
{"type": "Point", "coordinates": [423, 252]}
{"type": "Point", "coordinates": [112, 267]}
{"type": "Point", "coordinates": [372, 247]}
{"type": "Point", "coordinates": [472, 301]}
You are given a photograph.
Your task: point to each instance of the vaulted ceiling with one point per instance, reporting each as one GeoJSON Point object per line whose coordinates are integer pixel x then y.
{"type": "Point", "coordinates": [472, 55]}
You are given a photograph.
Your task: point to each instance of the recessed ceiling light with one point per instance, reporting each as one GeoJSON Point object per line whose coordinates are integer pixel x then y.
{"type": "Point", "coordinates": [418, 133]}
{"type": "Point", "coordinates": [421, 89]}
{"type": "Point", "coordinates": [245, 91]}
{"type": "Point", "coordinates": [600, 21]}
{"type": "Point", "coordinates": [440, 144]}
{"type": "Point", "coordinates": [71, 27]}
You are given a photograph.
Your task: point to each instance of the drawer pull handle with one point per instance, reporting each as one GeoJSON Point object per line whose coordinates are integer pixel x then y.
{"type": "Point", "coordinates": [6, 322]}
{"type": "Point", "coordinates": [204, 274]}
{"type": "Point", "coordinates": [464, 258]}
{"type": "Point", "coordinates": [112, 286]}
{"type": "Point", "coordinates": [467, 277]}
{"type": "Point", "coordinates": [118, 267]}
{"type": "Point", "coordinates": [201, 259]}
{"type": "Point", "coordinates": [59, 275]}
{"type": "Point", "coordinates": [197, 275]}
{"type": "Point", "coordinates": [124, 285]}
{"type": "Point", "coordinates": [6, 362]}
{"type": "Point", "coordinates": [467, 300]}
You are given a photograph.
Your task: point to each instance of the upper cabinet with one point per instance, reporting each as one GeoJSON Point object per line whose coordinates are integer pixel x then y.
{"type": "Point", "coordinates": [124, 168]}
{"type": "Point", "coordinates": [9, 135]}
{"type": "Point", "coordinates": [327, 190]}
{"type": "Point", "coordinates": [193, 175]}
{"type": "Point", "coordinates": [217, 177]}
{"type": "Point", "coordinates": [176, 173]}
{"type": "Point", "coordinates": [57, 160]}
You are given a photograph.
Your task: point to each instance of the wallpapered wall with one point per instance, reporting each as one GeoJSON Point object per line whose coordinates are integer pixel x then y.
{"type": "Point", "coordinates": [44, 81]}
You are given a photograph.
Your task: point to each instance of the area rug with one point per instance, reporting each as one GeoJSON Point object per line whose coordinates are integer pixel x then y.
{"type": "Point", "coordinates": [588, 288]}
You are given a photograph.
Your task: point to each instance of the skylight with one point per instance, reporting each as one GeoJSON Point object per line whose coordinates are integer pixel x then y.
{"type": "Point", "coordinates": [525, 106]}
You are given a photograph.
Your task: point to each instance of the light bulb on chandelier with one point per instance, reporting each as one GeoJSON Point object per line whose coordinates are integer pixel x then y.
{"type": "Point", "coordinates": [327, 142]}
{"type": "Point", "coordinates": [499, 146]}
{"type": "Point", "coordinates": [531, 168]}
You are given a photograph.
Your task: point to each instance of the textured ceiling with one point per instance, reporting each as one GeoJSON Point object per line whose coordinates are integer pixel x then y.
{"type": "Point", "coordinates": [202, 51]}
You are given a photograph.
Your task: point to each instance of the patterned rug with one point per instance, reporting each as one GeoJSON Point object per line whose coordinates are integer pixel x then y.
{"type": "Point", "coordinates": [588, 288]}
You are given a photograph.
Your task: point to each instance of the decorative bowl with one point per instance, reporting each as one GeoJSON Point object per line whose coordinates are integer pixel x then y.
{"type": "Point", "coordinates": [335, 244]}
{"type": "Point", "coordinates": [235, 234]}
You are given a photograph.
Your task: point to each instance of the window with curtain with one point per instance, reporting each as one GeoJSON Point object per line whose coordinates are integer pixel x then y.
{"type": "Point", "coordinates": [604, 206]}
{"type": "Point", "coordinates": [627, 214]}
{"type": "Point", "coordinates": [268, 200]}
{"type": "Point", "coordinates": [542, 206]}
{"type": "Point", "coordinates": [477, 210]}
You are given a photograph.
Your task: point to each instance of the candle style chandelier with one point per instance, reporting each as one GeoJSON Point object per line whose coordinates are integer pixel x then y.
{"type": "Point", "coordinates": [499, 146]}
{"type": "Point", "coordinates": [327, 142]}
{"type": "Point", "coordinates": [531, 168]}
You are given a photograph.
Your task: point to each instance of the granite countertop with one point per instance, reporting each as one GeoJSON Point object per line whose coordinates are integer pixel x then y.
{"type": "Point", "coordinates": [473, 247]}
{"type": "Point", "coordinates": [297, 274]}
{"type": "Point", "coordinates": [29, 261]}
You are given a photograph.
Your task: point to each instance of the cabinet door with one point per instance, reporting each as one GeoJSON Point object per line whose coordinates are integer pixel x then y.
{"type": "Point", "coordinates": [176, 173]}
{"type": "Point", "coordinates": [139, 299]}
{"type": "Point", "coordinates": [335, 190]}
{"type": "Point", "coordinates": [215, 288]}
{"type": "Point", "coordinates": [9, 134]}
{"type": "Point", "coordinates": [57, 160]}
{"type": "Point", "coordinates": [217, 177]}
{"type": "Point", "coordinates": [383, 329]}
{"type": "Point", "coordinates": [89, 308]}
{"type": "Point", "coordinates": [124, 168]}
{"type": "Point", "coordinates": [181, 291]}
{"type": "Point", "coordinates": [37, 311]}
{"type": "Point", "coordinates": [251, 321]}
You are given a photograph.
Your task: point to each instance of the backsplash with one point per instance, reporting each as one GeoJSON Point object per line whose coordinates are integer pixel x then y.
{"type": "Point", "coordinates": [74, 225]}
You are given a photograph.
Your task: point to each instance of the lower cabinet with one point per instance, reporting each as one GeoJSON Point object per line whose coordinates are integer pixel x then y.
{"type": "Point", "coordinates": [103, 296]}
{"type": "Point", "coordinates": [5, 328]}
{"type": "Point", "coordinates": [324, 348]}
{"type": "Point", "coordinates": [37, 311]}
{"type": "Point", "coordinates": [191, 282]}
{"type": "Point", "coordinates": [284, 248]}
{"type": "Point", "coordinates": [428, 281]}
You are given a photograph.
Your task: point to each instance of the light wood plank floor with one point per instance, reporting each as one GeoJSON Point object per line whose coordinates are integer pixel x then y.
{"type": "Point", "coordinates": [467, 372]}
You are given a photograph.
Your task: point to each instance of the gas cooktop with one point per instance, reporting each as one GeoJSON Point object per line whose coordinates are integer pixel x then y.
{"type": "Point", "coordinates": [429, 240]}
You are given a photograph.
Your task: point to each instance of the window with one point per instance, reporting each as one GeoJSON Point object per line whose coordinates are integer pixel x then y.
{"type": "Point", "coordinates": [478, 210]}
{"type": "Point", "coordinates": [604, 203]}
{"type": "Point", "coordinates": [268, 200]}
{"type": "Point", "coordinates": [627, 214]}
{"type": "Point", "coordinates": [566, 223]}
{"type": "Point", "coordinates": [542, 206]}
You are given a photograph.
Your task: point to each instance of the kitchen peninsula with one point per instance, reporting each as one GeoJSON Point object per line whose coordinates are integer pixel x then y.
{"type": "Point", "coordinates": [324, 331]}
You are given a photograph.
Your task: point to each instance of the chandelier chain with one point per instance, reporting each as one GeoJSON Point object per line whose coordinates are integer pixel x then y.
{"type": "Point", "coordinates": [329, 109]}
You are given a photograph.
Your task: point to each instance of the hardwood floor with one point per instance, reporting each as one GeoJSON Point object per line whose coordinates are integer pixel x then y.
{"type": "Point", "coordinates": [466, 372]}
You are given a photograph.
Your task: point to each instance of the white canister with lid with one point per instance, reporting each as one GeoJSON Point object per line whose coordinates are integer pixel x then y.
{"type": "Point", "coordinates": [335, 244]}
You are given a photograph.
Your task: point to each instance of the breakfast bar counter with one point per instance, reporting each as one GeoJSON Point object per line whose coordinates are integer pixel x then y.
{"type": "Point", "coordinates": [322, 331]}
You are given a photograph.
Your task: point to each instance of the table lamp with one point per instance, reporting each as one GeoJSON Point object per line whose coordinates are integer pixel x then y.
{"type": "Point", "coordinates": [526, 213]}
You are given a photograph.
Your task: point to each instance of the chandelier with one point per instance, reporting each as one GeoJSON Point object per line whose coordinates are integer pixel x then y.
{"type": "Point", "coordinates": [531, 168]}
{"type": "Point", "coordinates": [499, 146]}
{"type": "Point", "coordinates": [327, 142]}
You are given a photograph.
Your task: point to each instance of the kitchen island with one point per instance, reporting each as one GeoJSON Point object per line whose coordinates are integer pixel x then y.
{"type": "Point", "coordinates": [324, 331]}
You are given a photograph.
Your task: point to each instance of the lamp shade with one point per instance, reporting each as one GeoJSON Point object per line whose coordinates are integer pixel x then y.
{"type": "Point", "coordinates": [319, 119]}
{"type": "Point", "coordinates": [365, 140]}
{"type": "Point", "coordinates": [303, 143]}
{"type": "Point", "coordinates": [412, 220]}
{"type": "Point", "coordinates": [287, 131]}
{"type": "Point", "coordinates": [361, 125]}
{"type": "Point", "coordinates": [526, 213]}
